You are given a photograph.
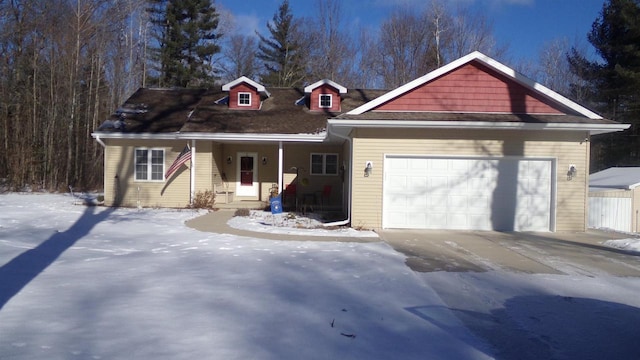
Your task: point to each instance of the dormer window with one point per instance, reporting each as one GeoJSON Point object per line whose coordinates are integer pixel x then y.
{"type": "Point", "coordinates": [244, 99]}
{"type": "Point", "coordinates": [324, 95]}
{"type": "Point", "coordinates": [245, 94]}
{"type": "Point", "coordinates": [325, 101]}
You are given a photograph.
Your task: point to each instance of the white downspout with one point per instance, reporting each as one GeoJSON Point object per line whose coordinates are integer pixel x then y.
{"type": "Point", "coordinates": [193, 172]}
{"type": "Point", "coordinates": [280, 167]}
{"type": "Point", "coordinates": [104, 163]}
{"type": "Point", "coordinates": [349, 179]}
{"type": "Point", "coordinates": [97, 137]}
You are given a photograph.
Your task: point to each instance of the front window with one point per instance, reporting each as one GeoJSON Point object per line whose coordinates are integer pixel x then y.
{"type": "Point", "coordinates": [325, 100]}
{"type": "Point", "coordinates": [149, 164]}
{"type": "Point", "coordinates": [244, 99]}
{"type": "Point", "coordinates": [324, 164]}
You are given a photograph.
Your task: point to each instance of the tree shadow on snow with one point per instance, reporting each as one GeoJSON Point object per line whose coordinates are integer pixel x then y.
{"type": "Point", "coordinates": [21, 270]}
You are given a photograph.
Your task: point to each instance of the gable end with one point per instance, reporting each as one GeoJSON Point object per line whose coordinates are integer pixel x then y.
{"type": "Point", "coordinates": [324, 98]}
{"type": "Point", "coordinates": [244, 97]}
{"type": "Point", "coordinates": [474, 88]}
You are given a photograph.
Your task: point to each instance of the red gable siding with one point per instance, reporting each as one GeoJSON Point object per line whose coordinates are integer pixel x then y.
{"type": "Point", "coordinates": [473, 88]}
{"type": "Point", "coordinates": [233, 97]}
{"type": "Point", "coordinates": [314, 99]}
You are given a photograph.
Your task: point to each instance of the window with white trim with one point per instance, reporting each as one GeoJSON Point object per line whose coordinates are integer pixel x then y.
{"type": "Point", "coordinates": [244, 99]}
{"type": "Point", "coordinates": [149, 164]}
{"type": "Point", "coordinates": [324, 164]}
{"type": "Point", "coordinates": [325, 100]}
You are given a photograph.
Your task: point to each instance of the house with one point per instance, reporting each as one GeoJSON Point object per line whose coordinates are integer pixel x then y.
{"type": "Point", "coordinates": [471, 145]}
{"type": "Point", "coordinates": [614, 199]}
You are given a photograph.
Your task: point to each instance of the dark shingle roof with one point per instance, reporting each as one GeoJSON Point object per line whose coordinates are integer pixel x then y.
{"type": "Point", "coordinates": [157, 110]}
{"type": "Point", "coordinates": [198, 110]}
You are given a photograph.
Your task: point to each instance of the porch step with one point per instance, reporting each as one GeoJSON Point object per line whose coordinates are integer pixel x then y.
{"type": "Point", "coordinates": [243, 204]}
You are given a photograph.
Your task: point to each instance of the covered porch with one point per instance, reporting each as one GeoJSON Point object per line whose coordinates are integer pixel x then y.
{"type": "Point", "coordinates": [309, 177]}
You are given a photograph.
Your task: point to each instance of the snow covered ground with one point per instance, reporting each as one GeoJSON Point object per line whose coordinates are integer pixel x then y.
{"type": "Point", "coordinates": [82, 282]}
{"type": "Point", "coordinates": [290, 224]}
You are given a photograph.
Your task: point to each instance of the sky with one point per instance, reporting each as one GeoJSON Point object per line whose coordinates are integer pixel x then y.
{"type": "Point", "coordinates": [80, 282]}
{"type": "Point", "coordinates": [524, 25]}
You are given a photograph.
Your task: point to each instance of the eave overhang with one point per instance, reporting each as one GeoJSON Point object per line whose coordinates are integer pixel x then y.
{"type": "Point", "coordinates": [593, 129]}
{"type": "Point", "coordinates": [223, 137]}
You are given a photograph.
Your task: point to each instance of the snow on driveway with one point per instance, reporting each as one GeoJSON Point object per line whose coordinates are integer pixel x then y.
{"type": "Point", "coordinates": [93, 283]}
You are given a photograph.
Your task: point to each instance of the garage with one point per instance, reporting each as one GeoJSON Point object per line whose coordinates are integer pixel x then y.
{"type": "Point", "coordinates": [506, 193]}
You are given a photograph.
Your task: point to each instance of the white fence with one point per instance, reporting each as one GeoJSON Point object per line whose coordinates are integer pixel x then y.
{"type": "Point", "coordinates": [610, 213]}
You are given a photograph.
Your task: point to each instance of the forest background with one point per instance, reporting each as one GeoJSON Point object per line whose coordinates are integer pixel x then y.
{"type": "Point", "coordinates": [67, 65]}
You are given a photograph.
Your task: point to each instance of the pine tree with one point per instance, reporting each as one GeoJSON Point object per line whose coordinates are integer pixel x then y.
{"type": "Point", "coordinates": [284, 51]}
{"type": "Point", "coordinates": [614, 82]}
{"type": "Point", "coordinates": [187, 41]}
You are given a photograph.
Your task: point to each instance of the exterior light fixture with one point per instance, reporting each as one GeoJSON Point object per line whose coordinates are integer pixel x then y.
{"type": "Point", "coordinates": [368, 168]}
{"type": "Point", "coordinates": [229, 159]}
{"type": "Point", "coordinates": [264, 160]}
{"type": "Point", "coordinates": [573, 171]}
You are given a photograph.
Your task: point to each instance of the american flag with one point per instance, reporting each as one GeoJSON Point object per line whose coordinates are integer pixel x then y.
{"type": "Point", "coordinates": [184, 156]}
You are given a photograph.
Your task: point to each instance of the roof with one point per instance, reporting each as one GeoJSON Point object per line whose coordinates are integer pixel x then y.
{"type": "Point", "coordinates": [204, 113]}
{"type": "Point", "coordinates": [484, 117]}
{"type": "Point", "coordinates": [616, 178]}
{"type": "Point", "coordinates": [478, 121]}
{"type": "Point", "coordinates": [573, 117]}
{"type": "Point", "coordinates": [341, 89]}
{"type": "Point", "coordinates": [159, 111]}
{"type": "Point", "coordinates": [243, 79]}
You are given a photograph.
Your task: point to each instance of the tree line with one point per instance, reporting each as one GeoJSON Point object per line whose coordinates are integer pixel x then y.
{"type": "Point", "coordinates": [66, 65]}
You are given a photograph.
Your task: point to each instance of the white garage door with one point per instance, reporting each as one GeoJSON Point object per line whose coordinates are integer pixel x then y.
{"type": "Point", "coordinates": [467, 193]}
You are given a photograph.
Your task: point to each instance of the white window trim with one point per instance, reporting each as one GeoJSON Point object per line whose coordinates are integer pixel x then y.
{"type": "Point", "coordinates": [149, 164]}
{"type": "Point", "coordinates": [324, 164]}
{"type": "Point", "coordinates": [330, 101]}
{"type": "Point", "coordinates": [244, 93]}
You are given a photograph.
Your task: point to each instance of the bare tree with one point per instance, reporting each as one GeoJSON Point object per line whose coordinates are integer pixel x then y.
{"type": "Point", "coordinates": [406, 48]}
{"type": "Point", "coordinates": [330, 53]}
{"type": "Point", "coordinates": [55, 87]}
{"type": "Point", "coordinates": [240, 57]}
{"type": "Point", "coordinates": [469, 31]}
{"type": "Point", "coordinates": [367, 73]}
{"type": "Point", "coordinates": [441, 24]}
{"type": "Point", "coordinates": [555, 70]}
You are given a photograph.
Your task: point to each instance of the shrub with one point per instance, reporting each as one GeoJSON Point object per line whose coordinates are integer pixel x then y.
{"type": "Point", "coordinates": [204, 200]}
{"type": "Point", "coordinates": [242, 212]}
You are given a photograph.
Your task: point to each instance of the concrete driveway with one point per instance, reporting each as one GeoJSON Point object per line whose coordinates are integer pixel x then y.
{"type": "Point", "coordinates": [536, 253]}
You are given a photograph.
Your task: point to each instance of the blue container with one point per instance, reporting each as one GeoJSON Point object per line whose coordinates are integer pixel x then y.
{"type": "Point", "coordinates": [276, 205]}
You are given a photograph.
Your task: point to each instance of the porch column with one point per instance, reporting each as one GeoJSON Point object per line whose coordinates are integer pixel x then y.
{"type": "Point", "coordinates": [193, 172]}
{"type": "Point", "coordinates": [280, 166]}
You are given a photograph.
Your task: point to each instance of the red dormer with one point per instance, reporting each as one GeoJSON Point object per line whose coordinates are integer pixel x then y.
{"type": "Point", "coordinates": [245, 94]}
{"type": "Point", "coordinates": [325, 95]}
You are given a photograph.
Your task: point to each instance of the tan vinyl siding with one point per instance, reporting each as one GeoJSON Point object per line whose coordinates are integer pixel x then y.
{"type": "Point", "coordinates": [204, 166]}
{"type": "Point", "coordinates": [211, 170]}
{"type": "Point", "coordinates": [346, 163]}
{"type": "Point", "coordinates": [121, 188]}
{"type": "Point", "coordinates": [565, 147]}
{"type": "Point", "coordinates": [267, 174]}
{"type": "Point", "coordinates": [299, 155]}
